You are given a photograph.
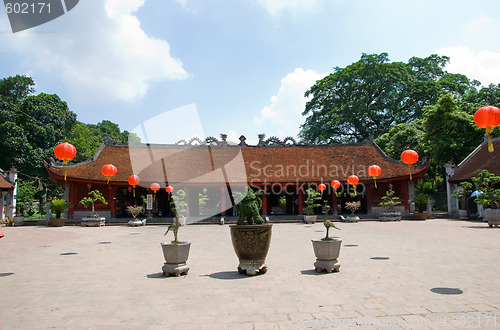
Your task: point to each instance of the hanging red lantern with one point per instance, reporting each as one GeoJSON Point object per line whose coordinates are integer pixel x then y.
{"type": "Point", "coordinates": [321, 187]}
{"type": "Point", "coordinates": [374, 171]}
{"type": "Point", "coordinates": [335, 185]}
{"type": "Point", "coordinates": [169, 189]}
{"type": "Point", "coordinates": [154, 187]}
{"type": "Point", "coordinates": [134, 180]}
{"type": "Point", "coordinates": [488, 118]}
{"type": "Point", "coordinates": [108, 171]}
{"type": "Point", "coordinates": [409, 157]}
{"type": "Point", "coordinates": [65, 152]}
{"type": "Point", "coordinates": [353, 180]}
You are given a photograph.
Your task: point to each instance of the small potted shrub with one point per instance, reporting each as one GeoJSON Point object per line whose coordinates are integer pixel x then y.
{"type": "Point", "coordinates": [327, 249]}
{"type": "Point", "coordinates": [489, 185]}
{"type": "Point", "coordinates": [58, 206]}
{"type": "Point", "coordinates": [389, 202]}
{"type": "Point", "coordinates": [135, 210]}
{"type": "Point", "coordinates": [353, 207]}
{"type": "Point", "coordinates": [94, 219]}
{"type": "Point", "coordinates": [176, 253]}
{"type": "Point", "coordinates": [251, 236]}
{"type": "Point", "coordinates": [420, 201]}
{"type": "Point", "coordinates": [462, 194]}
{"type": "Point", "coordinates": [312, 202]}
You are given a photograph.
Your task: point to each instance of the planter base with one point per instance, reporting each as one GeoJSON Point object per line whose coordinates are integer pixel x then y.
{"type": "Point", "coordinates": [310, 218]}
{"type": "Point", "coordinates": [93, 222]}
{"type": "Point", "coordinates": [327, 265]}
{"type": "Point", "coordinates": [351, 219]}
{"type": "Point", "coordinates": [136, 223]}
{"type": "Point", "coordinates": [175, 269]}
{"type": "Point", "coordinates": [252, 267]}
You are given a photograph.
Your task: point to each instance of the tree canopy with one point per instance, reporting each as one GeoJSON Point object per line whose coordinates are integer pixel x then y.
{"type": "Point", "coordinates": [372, 95]}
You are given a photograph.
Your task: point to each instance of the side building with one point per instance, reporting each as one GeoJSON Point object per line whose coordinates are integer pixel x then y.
{"type": "Point", "coordinates": [211, 170]}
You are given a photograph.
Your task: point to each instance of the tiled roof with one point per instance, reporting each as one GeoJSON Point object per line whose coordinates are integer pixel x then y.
{"type": "Point", "coordinates": [4, 183]}
{"type": "Point", "coordinates": [201, 164]}
{"type": "Point", "coordinates": [479, 159]}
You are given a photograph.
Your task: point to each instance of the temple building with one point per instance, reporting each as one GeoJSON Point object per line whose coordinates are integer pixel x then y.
{"type": "Point", "coordinates": [210, 171]}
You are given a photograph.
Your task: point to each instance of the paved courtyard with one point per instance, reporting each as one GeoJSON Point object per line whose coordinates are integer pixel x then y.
{"type": "Point", "coordinates": [436, 274]}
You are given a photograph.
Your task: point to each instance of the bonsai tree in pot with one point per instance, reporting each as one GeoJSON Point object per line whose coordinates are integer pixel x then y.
{"type": "Point", "coordinates": [489, 185]}
{"type": "Point", "coordinates": [135, 210]}
{"type": "Point", "coordinates": [389, 201]}
{"type": "Point", "coordinates": [176, 253]}
{"type": "Point", "coordinates": [420, 201]}
{"type": "Point", "coordinates": [251, 237]}
{"type": "Point", "coordinates": [353, 207]}
{"type": "Point", "coordinates": [312, 202]}
{"type": "Point", "coordinates": [327, 249]}
{"type": "Point", "coordinates": [58, 205]}
{"type": "Point", "coordinates": [94, 219]}
{"type": "Point", "coordinates": [462, 195]}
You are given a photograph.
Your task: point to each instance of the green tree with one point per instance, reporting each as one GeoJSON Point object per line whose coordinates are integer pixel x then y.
{"type": "Point", "coordinates": [370, 96]}
{"type": "Point", "coordinates": [401, 137]}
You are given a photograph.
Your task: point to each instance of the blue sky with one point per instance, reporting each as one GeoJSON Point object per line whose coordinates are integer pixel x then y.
{"type": "Point", "coordinates": [243, 65]}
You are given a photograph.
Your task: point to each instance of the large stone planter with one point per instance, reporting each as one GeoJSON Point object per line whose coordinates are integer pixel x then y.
{"type": "Point", "coordinates": [492, 216]}
{"type": "Point", "coordinates": [310, 218]}
{"type": "Point", "coordinates": [57, 222]}
{"type": "Point", "coordinates": [327, 253]}
{"type": "Point", "coordinates": [463, 214]}
{"type": "Point", "coordinates": [18, 221]}
{"type": "Point", "coordinates": [251, 244]}
{"type": "Point", "coordinates": [420, 215]}
{"type": "Point", "coordinates": [350, 218]}
{"type": "Point", "coordinates": [137, 223]}
{"type": "Point", "coordinates": [176, 256]}
{"type": "Point", "coordinates": [390, 216]}
{"type": "Point", "coordinates": [93, 222]}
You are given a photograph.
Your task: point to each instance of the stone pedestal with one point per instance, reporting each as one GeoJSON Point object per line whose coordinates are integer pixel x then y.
{"type": "Point", "coordinates": [175, 269]}
{"type": "Point", "coordinates": [93, 222]}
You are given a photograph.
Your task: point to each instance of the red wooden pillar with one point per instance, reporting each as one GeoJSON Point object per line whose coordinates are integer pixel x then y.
{"type": "Point", "coordinates": [369, 197]}
{"type": "Point", "coordinates": [222, 200]}
{"type": "Point", "coordinates": [264, 201]}
{"type": "Point", "coordinates": [112, 198]}
{"type": "Point", "coordinates": [405, 195]}
{"type": "Point", "coordinates": [300, 199]}
{"type": "Point", "coordinates": [334, 203]}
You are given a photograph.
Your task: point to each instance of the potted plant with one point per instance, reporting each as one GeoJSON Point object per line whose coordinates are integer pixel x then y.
{"type": "Point", "coordinates": [462, 194]}
{"type": "Point", "coordinates": [353, 207]}
{"type": "Point", "coordinates": [58, 206]}
{"type": "Point", "coordinates": [94, 219]}
{"type": "Point", "coordinates": [179, 206]}
{"type": "Point", "coordinates": [251, 237]}
{"type": "Point", "coordinates": [389, 201]}
{"type": "Point", "coordinates": [202, 201]}
{"type": "Point", "coordinates": [176, 252]}
{"type": "Point", "coordinates": [420, 201]}
{"type": "Point", "coordinates": [313, 197]}
{"type": "Point", "coordinates": [489, 185]}
{"type": "Point", "coordinates": [327, 249]}
{"type": "Point", "coordinates": [135, 211]}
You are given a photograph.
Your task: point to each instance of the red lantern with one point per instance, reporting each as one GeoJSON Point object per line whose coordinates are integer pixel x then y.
{"type": "Point", "coordinates": [108, 171]}
{"type": "Point", "coordinates": [353, 180]}
{"type": "Point", "coordinates": [488, 118]}
{"type": "Point", "coordinates": [65, 152]}
{"type": "Point", "coordinates": [169, 189]}
{"type": "Point", "coordinates": [134, 180]}
{"type": "Point", "coordinates": [321, 187]}
{"type": "Point", "coordinates": [154, 187]}
{"type": "Point", "coordinates": [374, 171]}
{"type": "Point", "coordinates": [409, 157]}
{"type": "Point", "coordinates": [335, 185]}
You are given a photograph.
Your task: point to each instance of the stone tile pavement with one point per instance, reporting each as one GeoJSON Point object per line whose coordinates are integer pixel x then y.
{"type": "Point", "coordinates": [434, 274]}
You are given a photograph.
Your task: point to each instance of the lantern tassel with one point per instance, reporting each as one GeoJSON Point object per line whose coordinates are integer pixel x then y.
{"type": "Point", "coordinates": [375, 180]}
{"type": "Point", "coordinates": [65, 173]}
{"type": "Point", "coordinates": [134, 190]}
{"type": "Point", "coordinates": [108, 178]}
{"type": "Point", "coordinates": [409, 167]}
{"type": "Point", "coordinates": [490, 144]}
{"type": "Point", "coordinates": [354, 188]}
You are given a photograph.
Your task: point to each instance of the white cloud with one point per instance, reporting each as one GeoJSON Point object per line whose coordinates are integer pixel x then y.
{"type": "Point", "coordinates": [99, 51]}
{"type": "Point", "coordinates": [285, 110]}
{"type": "Point", "coordinates": [483, 66]}
{"type": "Point", "coordinates": [274, 7]}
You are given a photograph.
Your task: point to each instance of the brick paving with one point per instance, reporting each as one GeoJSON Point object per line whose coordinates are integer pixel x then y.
{"type": "Point", "coordinates": [110, 278]}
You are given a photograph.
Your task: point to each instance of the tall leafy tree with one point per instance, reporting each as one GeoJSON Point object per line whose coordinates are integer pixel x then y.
{"type": "Point", "coordinates": [373, 94]}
